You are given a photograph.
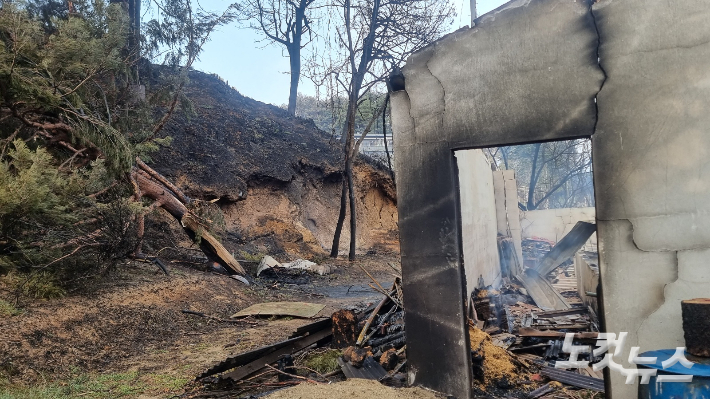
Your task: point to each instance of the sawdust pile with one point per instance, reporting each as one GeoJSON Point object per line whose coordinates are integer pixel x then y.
{"type": "Point", "coordinates": [352, 389]}
{"type": "Point", "coordinates": [496, 362]}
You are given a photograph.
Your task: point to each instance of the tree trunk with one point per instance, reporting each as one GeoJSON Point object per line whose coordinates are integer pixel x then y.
{"type": "Point", "coordinates": [353, 212]}
{"type": "Point", "coordinates": [341, 219]}
{"type": "Point", "coordinates": [294, 55]}
{"type": "Point", "coordinates": [150, 184]}
{"type": "Point", "coordinates": [533, 179]}
{"type": "Point", "coordinates": [384, 133]}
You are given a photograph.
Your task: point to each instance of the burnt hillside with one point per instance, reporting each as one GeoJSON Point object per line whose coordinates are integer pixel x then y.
{"type": "Point", "coordinates": [277, 177]}
{"type": "Point", "coordinates": [233, 140]}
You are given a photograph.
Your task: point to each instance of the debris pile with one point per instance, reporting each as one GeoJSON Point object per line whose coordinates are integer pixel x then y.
{"type": "Point", "coordinates": [517, 331]}
{"type": "Point", "coordinates": [515, 340]}
{"type": "Point", "coordinates": [378, 351]}
{"type": "Point", "coordinates": [366, 344]}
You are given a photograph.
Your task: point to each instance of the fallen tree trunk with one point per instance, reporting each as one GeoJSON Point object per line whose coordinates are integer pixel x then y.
{"type": "Point", "coordinates": [696, 326]}
{"type": "Point", "coordinates": [151, 184]}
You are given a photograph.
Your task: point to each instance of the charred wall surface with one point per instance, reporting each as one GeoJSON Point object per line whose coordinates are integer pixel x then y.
{"type": "Point", "coordinates": [632, 75]}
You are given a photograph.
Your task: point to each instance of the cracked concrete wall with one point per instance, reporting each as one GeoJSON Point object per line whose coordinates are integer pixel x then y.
{"type": "Point", "coordinates": [652, 166]}
{"type": "Point", "coordinates": [529, 72]}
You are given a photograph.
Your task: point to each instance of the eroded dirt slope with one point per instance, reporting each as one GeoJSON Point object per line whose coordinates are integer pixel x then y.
{"type": "Point", "coordinates": [277, 177]}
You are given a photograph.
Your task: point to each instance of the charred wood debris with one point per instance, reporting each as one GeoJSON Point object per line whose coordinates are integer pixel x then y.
{"type": "Point", "coordinates": [514, 345]}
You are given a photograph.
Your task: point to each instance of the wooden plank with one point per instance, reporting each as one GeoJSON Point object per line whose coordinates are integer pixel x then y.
{"type": "Point", "coordinates": [246, 357]}
{"type": "Point", "coordinates": [542, 292]}
{"type": "Point", "coordinates": [531, 332]}
{"type": "Point", "coordinates": [563, 327]}
{"type": "Point", "coordinates": [294, 346]}
{"type": "Point", "coordinates": [295, 309]}
{"type": "Point", "coordinates": [499, 194]}
{"type": "Point", "coordinates": [513, 212]}
{"type": "Point", "coordinates": [312, 327]}
{"type": "Point", "coordinates": [566, 247]}
{"type": "Point", "coordinates": [557, 313]}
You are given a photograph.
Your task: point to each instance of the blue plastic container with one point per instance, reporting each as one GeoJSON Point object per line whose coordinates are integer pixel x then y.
{"type": "Point", "coordinates": [699, 388]}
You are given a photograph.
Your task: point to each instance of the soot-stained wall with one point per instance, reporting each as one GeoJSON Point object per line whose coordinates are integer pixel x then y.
{"type": "Point", "coordinates": [631, 74]}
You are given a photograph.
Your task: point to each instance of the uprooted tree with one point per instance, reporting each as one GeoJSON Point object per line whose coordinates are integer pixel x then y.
{"type": "Point", "coordinates": [71, 129]}
{"type": "Point", "coordinates": [151, 184]}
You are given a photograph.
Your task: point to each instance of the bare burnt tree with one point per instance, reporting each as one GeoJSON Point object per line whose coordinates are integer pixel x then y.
{"type": "Point", "coordinates": [554, 174]}
{"type": "Point", "coordinates": [287, 23]}
{"type": "Point", "coordinates": [373, 37]}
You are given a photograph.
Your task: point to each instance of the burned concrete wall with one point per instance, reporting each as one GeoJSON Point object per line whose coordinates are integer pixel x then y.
{"type": "Point", "coordinates": [479, 224]}
{"type": "Point", "coordinates": [476, 87]}
{"type": "Point", "coordinates": [632, 75]}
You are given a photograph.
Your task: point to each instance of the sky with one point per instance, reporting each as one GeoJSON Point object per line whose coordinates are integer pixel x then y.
{"type": "Point", "coordinates": [260, 70]}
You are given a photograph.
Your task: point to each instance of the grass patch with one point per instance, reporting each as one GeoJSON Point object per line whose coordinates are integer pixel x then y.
{"type": "Point", "coordinates": [246, 256]}
{"type": "Point", "coordinates": [41, 285]}
{"type": "Point", "coordinates": [102, 386]}
{"type": "Point", "coordinates": [7, 309]}
{"type": "Point", "coordinates": [167, 382]}
{"type": "Point", "coordinates": [323, 362]}
{"type": "Point", "coordinates": [116, 385]}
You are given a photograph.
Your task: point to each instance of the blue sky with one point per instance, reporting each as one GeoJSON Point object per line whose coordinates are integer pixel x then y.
{"type": "Point", "coordinates": [260, 70]}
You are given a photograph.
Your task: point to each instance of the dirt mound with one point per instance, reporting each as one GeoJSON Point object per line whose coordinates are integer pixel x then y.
{"type": "Point", "coordinates": [352, 389]}
{"type": "Point", "coordinates": [276, 177]}
{"type": "Point", "coordinates": [232, 141]}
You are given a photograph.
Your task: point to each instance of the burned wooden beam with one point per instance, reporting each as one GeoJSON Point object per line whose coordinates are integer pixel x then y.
{"type": "Point", "coordinates": [247, 357]}
{"type": "Point", "coordinates": [311, 327]}
{"type": "Point", "coordinates": [566, 247]}
{"type": "Point", "coordinates": [542, 391]}
{"type": "Point", "coordinates": [557, 313]}
{"type": "Point", "coordinates": [696, 326]}
{"type": "Point", "coordinates": [385, 340]}
{"type": "Point", "coordinates": [294, 346]}
{"type": "Point", "coordinates": [531, 332]}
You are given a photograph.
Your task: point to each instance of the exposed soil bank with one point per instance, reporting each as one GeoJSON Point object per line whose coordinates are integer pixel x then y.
{"type": "Point", "coordinates": [276, 177]}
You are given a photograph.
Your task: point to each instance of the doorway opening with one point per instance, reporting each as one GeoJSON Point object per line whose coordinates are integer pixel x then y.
{"type": "Point", "coordinates": [529, 245]}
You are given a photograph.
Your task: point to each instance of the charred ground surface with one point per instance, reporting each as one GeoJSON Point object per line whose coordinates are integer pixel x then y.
{"type": "Point", "coordinates": [277, 180]}
{"type": "Point", "coordinates": [129, 337]}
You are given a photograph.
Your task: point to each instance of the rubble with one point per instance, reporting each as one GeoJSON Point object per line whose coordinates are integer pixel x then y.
{"type": "Point", "coordinates": [267, 262]}
{"type": "Point", "coordinates": [514, 342]}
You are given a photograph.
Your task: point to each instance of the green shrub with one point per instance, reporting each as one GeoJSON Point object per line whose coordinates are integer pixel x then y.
{"type": "Point", "coordinates": [7, 309]}
{"type": "Point", "coordinates": [39, 285]}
